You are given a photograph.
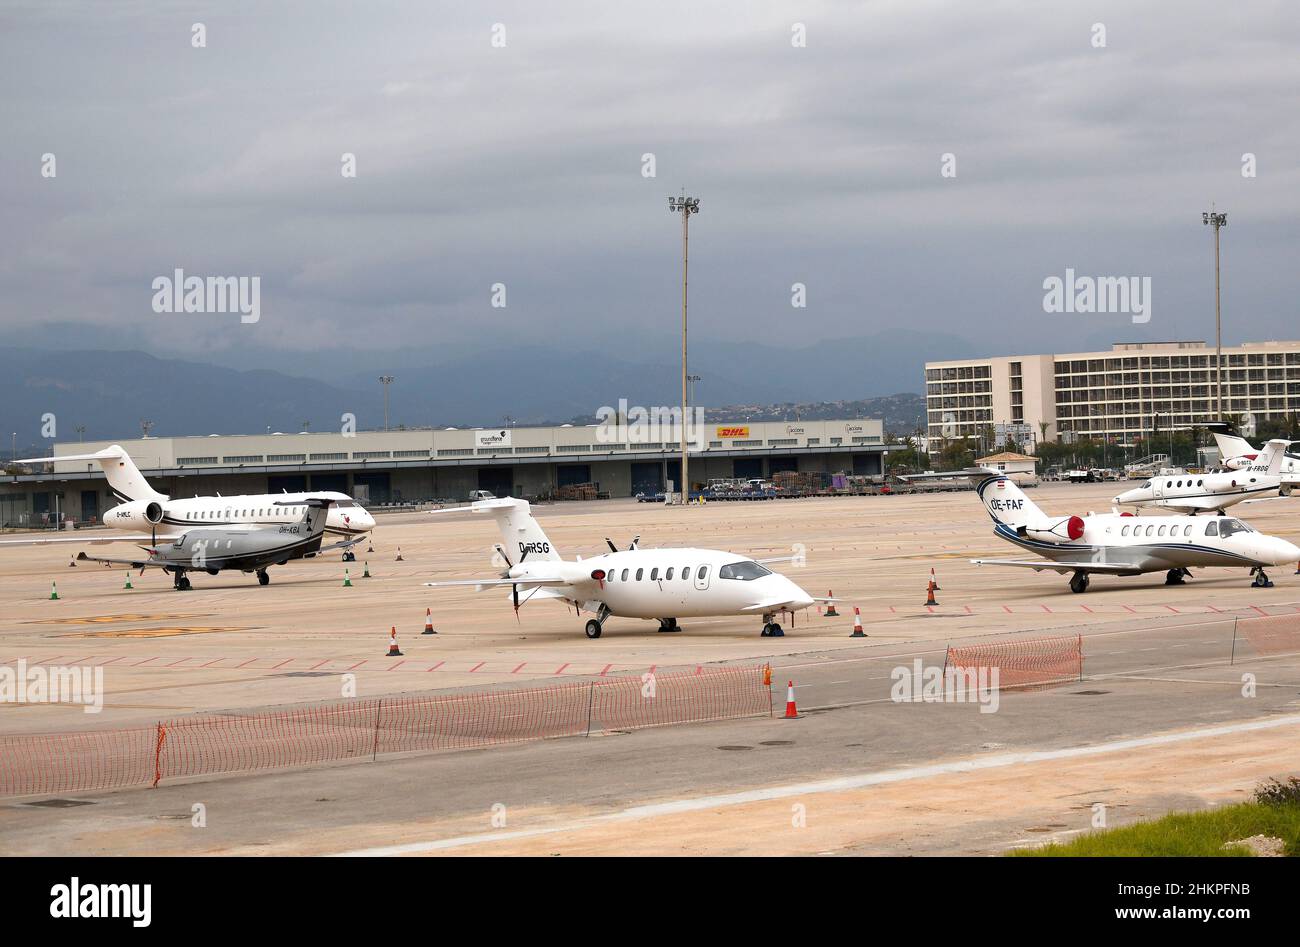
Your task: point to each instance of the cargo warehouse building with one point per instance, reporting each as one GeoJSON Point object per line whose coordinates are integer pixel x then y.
{"type": "Point", "coordinates": [1114, 395]}
{"type": "Point", "coordinates": [414, 465]}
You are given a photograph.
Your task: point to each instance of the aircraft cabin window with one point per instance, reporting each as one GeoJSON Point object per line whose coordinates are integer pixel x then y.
{"type": "Point", "coordinates": [1212, 528]}
{"type": "Point", "coordinates": [1187, 530]}
{"type": "Point", "coordinates": [704, 571]}
{"type": "Point", "coordinates": [1160, 531]}
{"type": "Point", "coordinates": [1180, 483]}
{"type": "Point", "coordinates": [623, 577]}
{"type": "Point", "coordinates": [1200, 482]}
{"type": "Point", "coordinates": [639, 573]}
{"type": "Point", "coordinates": [742, 570]}
{"type": "Point", "coordinates": [1150, 530]}
{"type": "Point", "coordinates": [669, 574]}
{"type": "Point", "coordinates": [1124, 531]}
{"type": "Point", "coordinates": [686, 572]}
{"type": "Point", "coordinates": [654, 575]}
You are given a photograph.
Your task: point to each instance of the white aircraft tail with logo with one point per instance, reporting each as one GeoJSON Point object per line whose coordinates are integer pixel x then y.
{"type": "Point", "coordinates": [1005, 501]}
{"type": "Point", "coordinates": [1269, 461]}
{"type": "Point", "coordinates": [123, 475]}
{"type": "Point", "coordinates": [521, 533]}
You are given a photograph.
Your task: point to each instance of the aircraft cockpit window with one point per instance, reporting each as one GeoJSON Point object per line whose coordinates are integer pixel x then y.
{"type": "Point", "coordinates": [745, 571]}
{"type": "Point", "coordinates": [1147, 485]}
{"type": "Point", "coordinates": [1229, 526]}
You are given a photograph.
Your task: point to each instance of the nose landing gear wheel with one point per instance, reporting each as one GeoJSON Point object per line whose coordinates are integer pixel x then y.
{"type": "Point", "coordinates": [669, 624]}
{"type": "Point", "coordinates": [1262, 581]}
{"type": "Point", "coordinates": [772, 630]}
{"type": "Point", "coordinates": [1079, 582]}
{"type": "Point", "coordinates": [182, 583]}
{"type": "Point", "coordinates": [262, 577]}
{"type": "Point", "coordinates": [593, 629]}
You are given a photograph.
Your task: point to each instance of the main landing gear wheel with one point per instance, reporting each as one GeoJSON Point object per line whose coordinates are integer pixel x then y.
{"type": "Point", "coordinates": [182, 583]}
{"type": "Point", "coordinates": [669, 624]}
{"type": "Point", "coordinates": [772, 630]}
{"type": "Point", "coordinates": [1262, 581]}
{"type": "Point", "coordinates": [263, 578]}
{"type": "Point", "coordinates": [1079, 582]}
{"type": "Point", "coordinates": [1177, 576]}
{"type": "Point", "coordinates": [593, 629]}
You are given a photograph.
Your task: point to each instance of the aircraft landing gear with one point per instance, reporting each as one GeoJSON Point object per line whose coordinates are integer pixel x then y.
{"type": "Point", "coordinates": [669, 624]}
{"type": "Point", "coordinates": [1176, 576]}
{"type": "Point", "coordinates": [181, 582]}
{"type": "Point", "coordinates": [1079, 582]}
{"type": "Point", "coordinates": [349, 556]}
{"type": "Point", "coordinates": [1262, 581]}
{"type": "Point", "coordinates": [263, 578]}
{"type": "Point", "coordinates": [595, 624]}
{"type": "Point", "coordinates": [770, 628]}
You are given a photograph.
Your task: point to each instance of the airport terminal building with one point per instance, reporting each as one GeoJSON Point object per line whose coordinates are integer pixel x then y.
{"type": "Point", "coordinates": [399, 466]}
{"type": "Point", "coordinates": [1114, 395]}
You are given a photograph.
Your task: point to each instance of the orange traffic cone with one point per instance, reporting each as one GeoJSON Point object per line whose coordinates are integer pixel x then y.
{"type": "Point", "coordinates": [72, 563]}
{"type": "Point", "coordinates": [830, 606]}
{"type": "Point", "coordinates": [1297, 568]}
{"type": "Point", "coordinates": [767, 675]}
{"type": "Point", "coordinates": [857, 624]}
{"type": "Point", "coordinates": [933, 580]}
{"type": "Point", "coordinates": [929, 593]}
{"type": "Point", "coordinates": [399, 554]}
{"type": "Point", "coordinates": [393, 651]}
{"type": "Point", "coordinates": [428, 622]}
{"type": "Point", "coordinates": [791, 712]}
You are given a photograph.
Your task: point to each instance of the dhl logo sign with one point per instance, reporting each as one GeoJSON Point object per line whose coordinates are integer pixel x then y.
{"type": "Point", "coordinates": [733, 432]}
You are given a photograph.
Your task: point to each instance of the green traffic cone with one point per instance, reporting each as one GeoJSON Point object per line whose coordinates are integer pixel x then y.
{"type": "Point", "coordinates": [366, 574]}
{"type": "Point", "coordinates": [128, 585]}
{"type": "Point", "coordinates": [54, 592]}
{"type": "Point", "coordinates": [347, 579]}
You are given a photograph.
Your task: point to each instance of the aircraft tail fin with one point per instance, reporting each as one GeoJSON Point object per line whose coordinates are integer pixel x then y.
{"type": "Point", "coordinates": [124, 477]}
{"type": "Point", "coordinates": [1005, 501]}
{"type": "Point", "coordinates": [1269, 461]}
{"type": "Point", "coordinates": [521, 532]}
{"type": "Point", "coordinates": [1230, 446]}
{"type": "Point", "coordinates": [316, 513]}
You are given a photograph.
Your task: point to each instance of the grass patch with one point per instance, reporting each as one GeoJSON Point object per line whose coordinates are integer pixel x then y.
{"type": "Point", "coordinates": [1197, 834]}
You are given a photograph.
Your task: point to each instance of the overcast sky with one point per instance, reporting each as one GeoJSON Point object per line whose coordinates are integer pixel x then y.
{"type": "Point", "coordinates": [523, 165]}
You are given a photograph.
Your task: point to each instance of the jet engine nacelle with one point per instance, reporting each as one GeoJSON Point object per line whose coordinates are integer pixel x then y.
{"type": "Point", "coordinates": [1064, 529]}
{"type": "Point", "coordinates": [138, 514]}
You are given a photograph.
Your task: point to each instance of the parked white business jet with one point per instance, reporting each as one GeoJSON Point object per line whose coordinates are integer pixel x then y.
{"type": "Point", "coordinates": [1190, 493]}
{"type": "Point", "coordinates": [660, 584]}
{"type": "Point", "coordinates": [143, 507]}
{"type": "Point", "coordinates": [1121, 543]}
{"type": "Point", "coordinates": [1236, 453]}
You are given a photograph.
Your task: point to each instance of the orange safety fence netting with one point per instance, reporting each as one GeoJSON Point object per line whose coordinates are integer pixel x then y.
{"type": "Point", "coordinates": [1029, 663]}
{"type": "Point", "coordinates": [206, 744]}
{"type": "Point", "coordinates": [1272, 634]}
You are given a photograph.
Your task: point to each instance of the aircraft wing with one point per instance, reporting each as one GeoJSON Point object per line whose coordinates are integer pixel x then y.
{"type": "Point", "coordinates": [133, 563]}
{"type": "Point", "coordinates": [770, 606]}
{"type": "Point", "coordinates": [1038, 565]}
{"type": "Point", "coordinates": [481, 584]}
{"type": "Point", "coordinates": [343, 544]}
{"type": "Point", "coordinates": [140, 538]}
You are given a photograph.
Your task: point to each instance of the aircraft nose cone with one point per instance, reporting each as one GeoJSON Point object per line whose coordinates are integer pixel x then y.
{"type": "Point", "coordinates": [1285, 552]}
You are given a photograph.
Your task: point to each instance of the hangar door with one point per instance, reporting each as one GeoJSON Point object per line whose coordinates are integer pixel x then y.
{"type": "Point", "coordinates": [566, 475]}
{"type": "Point", "coordinates": [500, 481]}
{"type": "Point", "coordinates": [777, 464]}
{"type": "Point", "coordinates": [747, 468]}
{"type": "Point", "coordinates": [866, 464]}
{"type": "Point", "coordinates": [377, 484]}
{"type": "Point", "coordinates": [287, 483]}
{"type": "Point", "coordinates": [647, 477]}
{"type": "Point", "coordinates": [330, 483]}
